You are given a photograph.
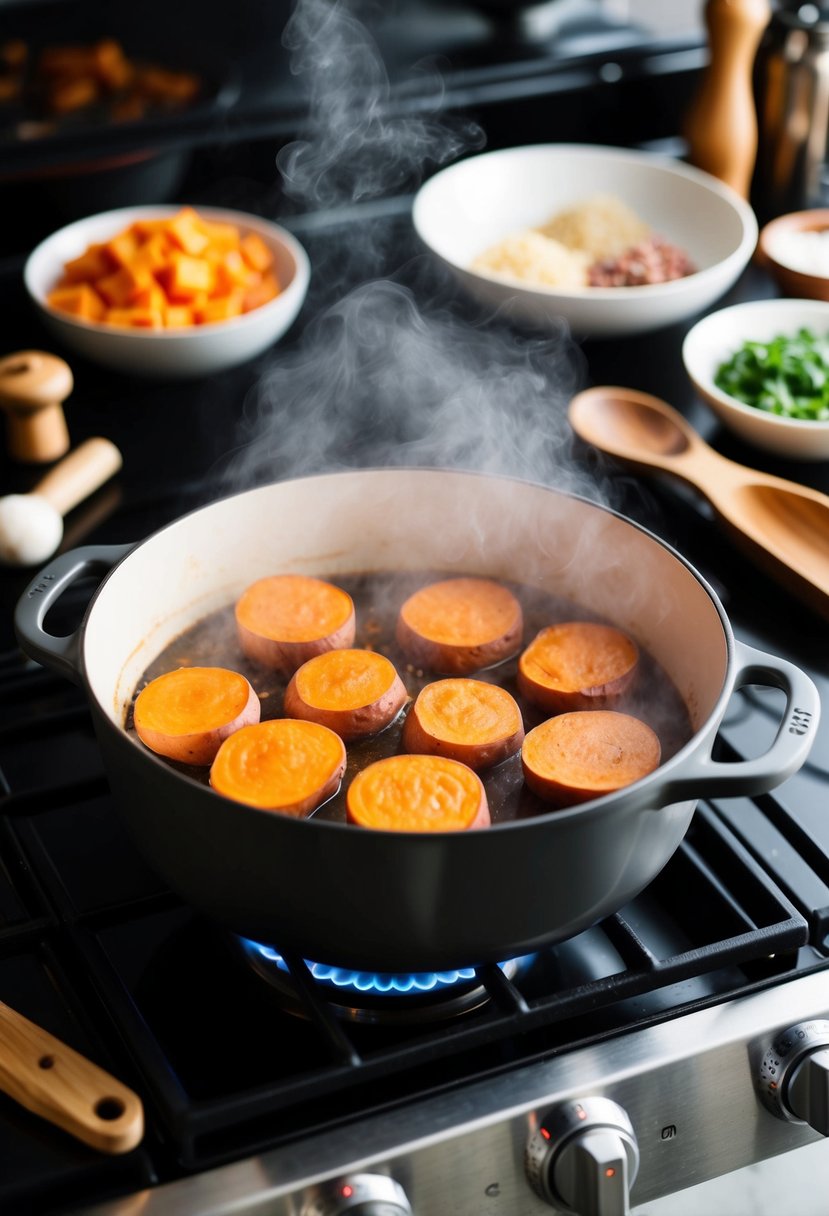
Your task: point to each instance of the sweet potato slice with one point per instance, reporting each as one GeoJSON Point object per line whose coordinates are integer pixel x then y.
{"type": "Point", "coordinates": [577, 665]}
{"type": "Point", "coordinates": [287, 619]}
{"type": "Point", "coordinates": [353, 692]}
{"type": "Point", "coordinates": [281, 765]}
{"type": "Point", "coordinates": [188, 713]}
{"type": "Point", "coordinates": [477, 723]}
{"type": "Point", "coordinates": [581, 755]}
{"type": "Point", "coordinates": [460, 625]}
{"type": "Point", "coordinates": [417, 794]}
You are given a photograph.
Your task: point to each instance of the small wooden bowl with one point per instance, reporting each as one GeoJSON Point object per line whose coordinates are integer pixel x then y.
{"type": "Point", "coordinates": [791, 282]}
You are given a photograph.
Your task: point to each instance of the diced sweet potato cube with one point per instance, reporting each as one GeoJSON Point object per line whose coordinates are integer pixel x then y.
{"type": "Point", "coordinates": [161, 84]}
{"type": "Point", "coordinates": [135, 318]}
{"type": "Point", "coordinates": [147, 228]}
{"type": "Point", "coordinates": [150, 295]}
{"type": "Point", "coordinates": [232, 271]}
{"type": "Point", "coordinates": [186, 277]}
{"type": "Point", "coordinates": [153, 252]}
{"type": "Point", "coordinates": [94, 263]}
{"type": "Point", "coordinates": [186, 231]}
{"type": "Point", "coordinates": [122, 247]}
{"type": "Point", "coordinates": [64, 61]}
{"type": "Point", "coordinates": [178, 316]}
{"type": "Point", "coordinates": [68, 95]}
{"type": "Point", "coordinates": [80, 300]}
{"type": "Point", "coordinates": [122, 287]}
{"type": "Point", "coordinates": [221, 236]}
{"type": "Point", "coordinates": [110, 64]}
{"type": "Point", "coordinates": [220, 309]}
{"type": "Point", "coordinates": [11, 87]}
{"type": "Point", "coordinates": [259, 293]}
{"type": "Point", "coordinates": [256, 252]}
{"type": "Point", "coordinates": [14, 52]}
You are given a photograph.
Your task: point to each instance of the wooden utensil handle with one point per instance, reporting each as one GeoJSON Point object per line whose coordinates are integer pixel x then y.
{"type": "Point", "coordinates": [79, 474]}
{"type": "Point", "coordinates": [54, 1081]}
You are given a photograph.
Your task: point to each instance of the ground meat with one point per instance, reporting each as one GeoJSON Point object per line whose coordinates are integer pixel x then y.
{"type": "Point", "coordinates": [652, 261]}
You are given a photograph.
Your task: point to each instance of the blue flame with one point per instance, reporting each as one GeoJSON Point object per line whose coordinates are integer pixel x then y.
{"type": "Point", "coordinates": [370, 982]}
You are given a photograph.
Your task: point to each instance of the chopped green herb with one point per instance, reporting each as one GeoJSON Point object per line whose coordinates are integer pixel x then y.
{"type": "Point", "coordinates": [788, 376]}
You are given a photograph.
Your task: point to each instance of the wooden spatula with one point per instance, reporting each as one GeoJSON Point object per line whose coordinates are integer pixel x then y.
{"type": "Point", "coordinates": [57, 1083]}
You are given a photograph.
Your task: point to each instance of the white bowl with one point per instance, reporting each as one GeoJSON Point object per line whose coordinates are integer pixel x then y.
{"type": "Point", "coordinates": [198, 350]}
{"type": "Point", "coordinates": [714, 339]}
{"type": "Point", "coordinates": [477, 202]}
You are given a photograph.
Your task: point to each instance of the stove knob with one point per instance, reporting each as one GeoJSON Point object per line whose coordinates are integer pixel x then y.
{"type": "Point", "coordinates": [793, 1079]}
{"type": "Point", "coordinates": [359, 1195]}
{"type": "Point", "coordinates": [584, 1158]}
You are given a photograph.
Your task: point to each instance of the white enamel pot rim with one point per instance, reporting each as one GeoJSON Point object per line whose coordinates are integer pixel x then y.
{"type": "Point", "coordinates": [334, 523]}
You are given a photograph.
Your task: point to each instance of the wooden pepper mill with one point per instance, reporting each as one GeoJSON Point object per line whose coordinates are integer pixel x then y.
{"type": "Point", "coordinates": [33, 387]}
{"type": "Point", "coordinates": [721, 123]}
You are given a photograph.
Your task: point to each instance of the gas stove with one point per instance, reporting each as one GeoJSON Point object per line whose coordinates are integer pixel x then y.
{"type": "Point", "coordinates": [679, 1039]}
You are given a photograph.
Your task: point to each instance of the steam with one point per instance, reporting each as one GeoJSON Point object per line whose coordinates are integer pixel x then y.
{"type": "Point", "coordinates": [393, 373]}
{"type": "Point", "coordinates": [379, 380]}
{"type": "Point", "coordinates": [356, 147]}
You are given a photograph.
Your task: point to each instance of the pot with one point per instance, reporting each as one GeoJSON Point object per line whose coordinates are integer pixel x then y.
{"type": "Point", "coordinates": [395, 901]}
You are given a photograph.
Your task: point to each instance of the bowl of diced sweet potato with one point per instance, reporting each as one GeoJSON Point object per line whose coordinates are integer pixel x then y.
{"type": "Point", "coordinates": [169, 291]}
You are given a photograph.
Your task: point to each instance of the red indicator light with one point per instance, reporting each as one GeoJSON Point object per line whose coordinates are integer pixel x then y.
{"type": "Point", "coordinates": [545, 1133]}
{"type": "Point", "coordinates": [610, 1172]}
{"type": "Point", "coordinates": [347, 1191]}
{"type": "Point", "coordinates": [581, 1112]}
{"type": "Point", "coordinates": [772, 1085]}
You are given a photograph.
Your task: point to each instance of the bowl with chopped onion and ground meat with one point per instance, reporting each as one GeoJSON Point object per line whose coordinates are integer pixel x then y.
{"type": "Point", "coordinates": [610, 240]}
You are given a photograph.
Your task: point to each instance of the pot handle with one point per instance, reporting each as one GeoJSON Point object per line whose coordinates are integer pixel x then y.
{"type": "Point", "coordinates": [700, 776]}
{"type": "Point", "coordinates": [62, 654]}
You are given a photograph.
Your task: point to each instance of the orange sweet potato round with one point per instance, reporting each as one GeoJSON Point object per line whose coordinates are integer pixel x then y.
{"type": "Point", "coordinates": [187, 714]}
{"type": "Point", "coordinates": [287, 619]}
{"type": "Point", "coordinates": [281, 765]}
{"type": "Point", "coordinates": [577, 665]}
{"type": "Point", "coordinates": [468, 720]}
{"type": "Point", "coordinates": [460, 625]}
{"type": "Point", "coordinates": [581, 755]}
{"type": "Point", "coordinates": [417, 794]}
{"type": "Point", "coordinates": [352, 692]}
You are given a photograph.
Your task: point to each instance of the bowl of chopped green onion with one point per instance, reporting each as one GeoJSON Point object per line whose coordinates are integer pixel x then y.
{"type": "Point", "coordinates": [763, 367]}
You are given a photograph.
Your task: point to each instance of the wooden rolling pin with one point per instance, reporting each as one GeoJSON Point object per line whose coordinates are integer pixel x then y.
{"type": "Point", "coordinates": [33, 387]}
{"type": "Point", "coordinates": [721, 123]}
{"type": "Point", "coordinates": [52, 1080]}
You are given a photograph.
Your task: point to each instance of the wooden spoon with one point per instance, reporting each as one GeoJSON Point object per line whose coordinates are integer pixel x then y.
{"type": "Point", "coordinates": [50, 1079]}
{"type": "Point", "coordinates": [782, 525]}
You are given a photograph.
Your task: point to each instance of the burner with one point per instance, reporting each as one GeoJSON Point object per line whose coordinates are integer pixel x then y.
{"type": "Point", "coordinates": [380, 998]}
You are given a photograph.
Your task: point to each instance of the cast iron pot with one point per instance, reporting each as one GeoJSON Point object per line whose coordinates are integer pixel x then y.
{"type": "Point", "coordinates": [393, 901]}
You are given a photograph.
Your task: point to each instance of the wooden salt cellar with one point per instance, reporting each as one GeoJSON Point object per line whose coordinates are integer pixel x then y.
{"type": "Point", "coordinates": [33, 387]}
